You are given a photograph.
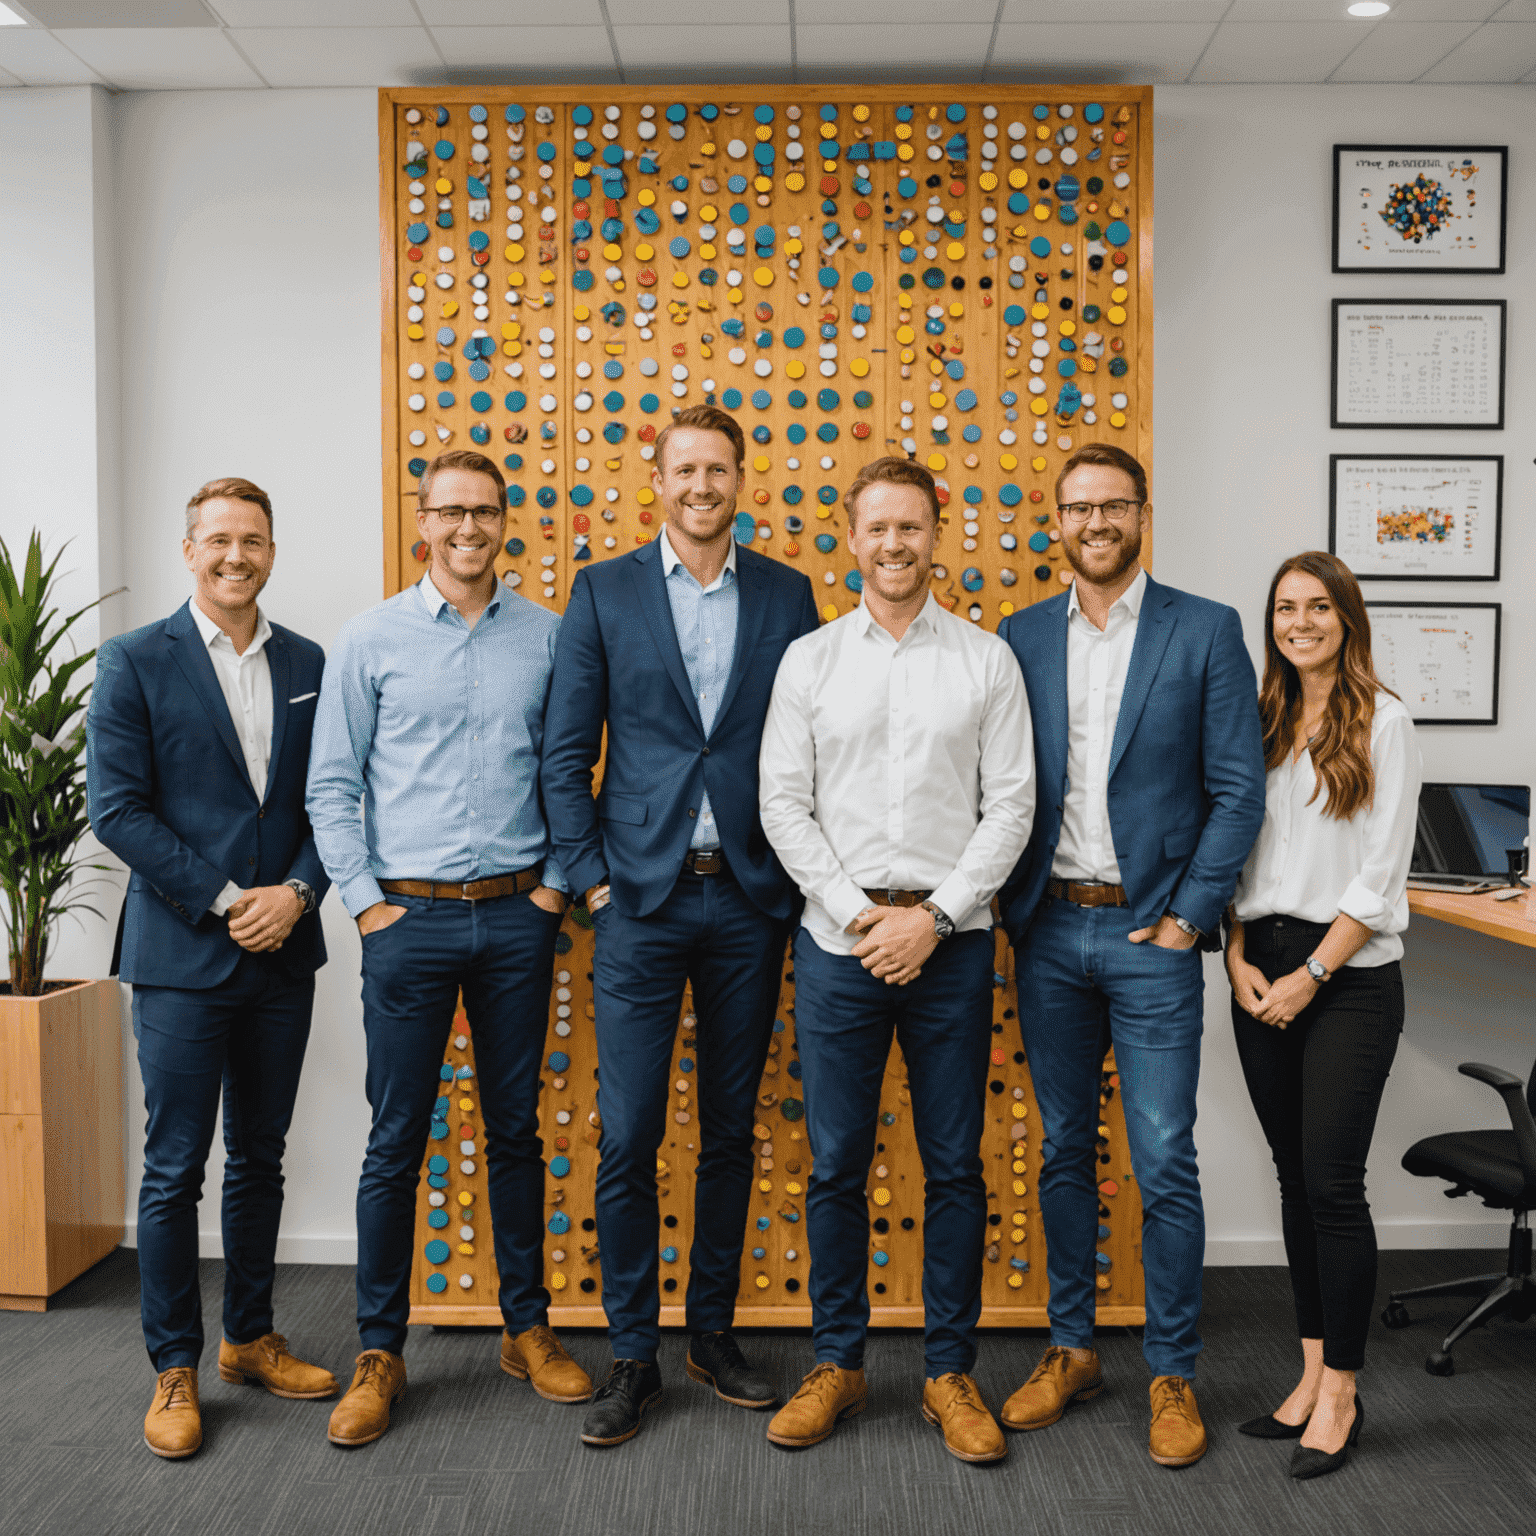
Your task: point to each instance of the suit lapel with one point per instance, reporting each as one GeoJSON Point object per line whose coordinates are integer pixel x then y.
{"type": "Point", "coordinates": [197, 665]}
{"type": "Point", "coordinates": [277, 665]}
{"type": "Point", "coordinates": [651, 588]}
{"type": "Point", "coordinates": [751, 608]}
{"type": "Point", "coordinates": [1054, 717]}
{"type": "Point", "coordinates": [1153, 631]}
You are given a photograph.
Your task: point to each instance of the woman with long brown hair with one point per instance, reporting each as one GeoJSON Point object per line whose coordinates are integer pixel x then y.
{"type": "Point", "coordinates": [1312, 954]}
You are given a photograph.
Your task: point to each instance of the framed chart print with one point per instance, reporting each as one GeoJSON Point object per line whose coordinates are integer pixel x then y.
{"type": "Point", "coordinates": [1418, 363]}
{"type": "Point", "coordinates": [1441, 659]}
{"type": "Point", "coordinates": [1419, 208]}
{"type": "Point", "coordinates": [1417, 516]}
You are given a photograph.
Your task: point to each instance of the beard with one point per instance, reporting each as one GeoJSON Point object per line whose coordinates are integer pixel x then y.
{"type": "Point", "coordinates": [1126, 554]}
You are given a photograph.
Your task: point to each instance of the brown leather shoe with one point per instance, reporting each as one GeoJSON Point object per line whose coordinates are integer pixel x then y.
{"type": "Point", "coordinates": [536, 1355]}
{"type": "Point", "coordinates": [363, 1414]}
{"type": "Point", "coordinates": [953, 1402]}
{"type": "Point", "coordinates": [173, 1427]}
{"type": "Point", "coordinates": [1058, 1381]}
{"type": "Point", "coordinates": [268, 1362]}
{"type": "Point", "coordinates": [1178, 1432]}
{"type": "Point", "coordinates": [827, 1395]}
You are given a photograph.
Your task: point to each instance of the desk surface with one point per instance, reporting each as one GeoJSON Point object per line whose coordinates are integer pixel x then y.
{"type": "Point", "coordinates": [1512, 920]}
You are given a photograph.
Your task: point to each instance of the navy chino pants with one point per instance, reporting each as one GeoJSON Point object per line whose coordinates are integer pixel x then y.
{"type": "Point", "coordinates": [501, 954]}
{"type": "Point", "coordinates": [242, 1041]}
{"type": "Point", "coordinates": [844, 1019]}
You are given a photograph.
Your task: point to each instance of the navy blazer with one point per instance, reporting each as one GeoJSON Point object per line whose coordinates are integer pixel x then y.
{"type": "Point", "coordinates": [1186, 766]}
{"type": "Point", "coordinates": [618, 662]}
{"type": "Point", "coordinates": [169, 793]}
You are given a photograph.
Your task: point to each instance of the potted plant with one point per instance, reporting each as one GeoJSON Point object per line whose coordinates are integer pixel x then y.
{"type": "Point", "coordinates": [61, 1110]}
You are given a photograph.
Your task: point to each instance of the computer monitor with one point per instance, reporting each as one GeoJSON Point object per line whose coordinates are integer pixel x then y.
{"type": "Point", "coordinates": [1471, 831]}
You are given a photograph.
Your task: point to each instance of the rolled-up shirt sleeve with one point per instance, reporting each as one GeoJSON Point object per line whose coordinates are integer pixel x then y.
{"type": "Point", "coordinates": [787, 797]}
{"type": "Point", "coordinates": [1388, 828]}
{"type": "Point", "coordinates": [1007, 774]}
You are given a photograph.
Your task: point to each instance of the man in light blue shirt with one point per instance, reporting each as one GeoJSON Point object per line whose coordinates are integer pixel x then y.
{"type": "Point", "coordinates": [423, 795]}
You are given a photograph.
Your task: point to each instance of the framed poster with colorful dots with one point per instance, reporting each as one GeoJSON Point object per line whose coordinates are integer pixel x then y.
{"type": "Point", "coordinates": [959, 274]}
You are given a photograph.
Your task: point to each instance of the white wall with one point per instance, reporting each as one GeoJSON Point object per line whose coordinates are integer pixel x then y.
{"type": "Point", "coordinates": [246, 260]}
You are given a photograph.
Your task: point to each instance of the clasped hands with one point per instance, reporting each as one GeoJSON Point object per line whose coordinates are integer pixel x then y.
{"type": "Point", "coordinates": [895, 942]}
{"type": "Point", "coordinates": [1270, 1002]}
{"type": "Point", "coordinates": [264, 916]}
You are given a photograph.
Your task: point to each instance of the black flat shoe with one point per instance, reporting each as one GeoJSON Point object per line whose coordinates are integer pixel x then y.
{"type": "Point", "coordinates": [1307, 1462]}
{"type": "Point", "coordinates": [614, 1417]}
{"type": "Point", "coordinates": [717, 1361]}
{"type": "Point", "coordinates": [1270, 1428]}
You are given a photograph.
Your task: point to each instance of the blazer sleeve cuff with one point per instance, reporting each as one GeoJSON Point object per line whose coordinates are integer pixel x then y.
{"type": "Point", "coordinates": [225, 899]}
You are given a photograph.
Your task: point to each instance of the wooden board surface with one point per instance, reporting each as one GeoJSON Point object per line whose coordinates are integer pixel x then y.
{"type": "Point", "coordinates": [1508, 920]}
{"type": "Point", "coordinates": [901, 365]}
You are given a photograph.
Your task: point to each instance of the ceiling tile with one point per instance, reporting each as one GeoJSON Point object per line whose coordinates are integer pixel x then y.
{"type": "Point", "coordinates": [706, 53]}
{"type": "Point", "coordinates": [1496, 53]}
{"type": "Point", "coordinates": [7, 78]}
{"type": "Point", "coordinates": [508, 13]}
{"type": "Point", "coordinates": [902, 50]}
{"type": "Point", "coordinates": [685, 13]}
{"type": "Point", "coordinates": [163, 58]}
{"type": "Point", "coordinates": [35, 58]}
{"type": "Point", "coordinates": [315, 56]}
{"type": "Point", "coordinates": [522, 52]}
{"type": "Point", "coordinates": [819, 13]}
{"type": "Point", "coordinates": [316, 13]}
{"type": "Point", "coordinates": [1116, 12]}
{"type": "Point", "coordinates": [1245, 52]}
{"type": "Point", "coordinates": [1299, 10]}
{"type": "Point", "coordinates": [1517, 10]}
{"type": "Point", "coordinates": [1395, 55]}
{"type": "Point", "coordinates": [1133, 52]}
{"type": "Point", "coordinates": [63, 15]}
{"type": "Point", "coordinates": [1441, 10]}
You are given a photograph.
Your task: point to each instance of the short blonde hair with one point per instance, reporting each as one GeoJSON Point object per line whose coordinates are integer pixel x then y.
{"type": "Point", "coordinates": [892, 470]}
{"type": "Point", "coordinates": [232, 488]}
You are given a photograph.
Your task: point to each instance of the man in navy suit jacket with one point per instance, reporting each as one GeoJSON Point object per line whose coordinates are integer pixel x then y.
{"type": "Point", "coordinates": [1151, 792]}
{"type": "Point", "coordinates": [197, 743]}
{"type": "Point", "coordinates": [675, 647]}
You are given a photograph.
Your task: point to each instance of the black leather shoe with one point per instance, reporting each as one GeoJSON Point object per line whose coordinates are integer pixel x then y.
{"type": "Point", "coordinates": [614, 1417]}
{"type": "Point", "coordinates": [1307, 1462]}
{"type": "Point", "coordinates": [1270, 1428]}
{"type": "Point", "coordinates": [717, 1361]}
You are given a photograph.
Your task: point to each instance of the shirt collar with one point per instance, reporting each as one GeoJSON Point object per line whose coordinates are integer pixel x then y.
{"type": "Point", "coordinates": [927, 618]}
{"type": "Point", "coordinates": [1130, 599]}
{"type": "Point", "coordinates": [212, 634]}
{"type": "Point", "coordinates": [670, 559]}
{"type": "Point", "coordinates": [436, 602]}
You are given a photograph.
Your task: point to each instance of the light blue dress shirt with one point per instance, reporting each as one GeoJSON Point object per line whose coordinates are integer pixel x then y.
{"type": "Point", "coordinates": [424, 764]}
{"type": "Point", "coordinates": [705, 621]}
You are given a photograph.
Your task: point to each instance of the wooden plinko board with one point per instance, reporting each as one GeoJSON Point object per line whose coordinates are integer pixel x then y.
{"type": "Point", "coordinates": [849, 273]}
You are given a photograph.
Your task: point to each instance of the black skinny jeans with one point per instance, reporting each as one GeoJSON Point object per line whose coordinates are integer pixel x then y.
{"type": "Point", "coordinates": [1317, 1086]}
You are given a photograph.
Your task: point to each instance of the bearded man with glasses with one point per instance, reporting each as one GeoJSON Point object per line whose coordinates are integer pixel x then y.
{"type": "Point", "coordinates": [1150, 765]}
{"type": "Point", "coordinates": [431, 720]}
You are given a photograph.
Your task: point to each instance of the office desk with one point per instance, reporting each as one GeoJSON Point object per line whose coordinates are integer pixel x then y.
{"type": "Point", "coordinates": [1510, 920]}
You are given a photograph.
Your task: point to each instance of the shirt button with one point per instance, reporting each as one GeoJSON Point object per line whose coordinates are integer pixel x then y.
{"type": "Point", "coordinates": [475, 684]}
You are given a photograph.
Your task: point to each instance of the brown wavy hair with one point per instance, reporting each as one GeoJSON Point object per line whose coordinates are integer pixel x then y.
{"type": "Point", "coordinates": [1341, 753]}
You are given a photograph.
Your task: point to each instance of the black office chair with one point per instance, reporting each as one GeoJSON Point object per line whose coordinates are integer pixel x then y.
{"type": "Point", "coordinates": [1500, 1168]}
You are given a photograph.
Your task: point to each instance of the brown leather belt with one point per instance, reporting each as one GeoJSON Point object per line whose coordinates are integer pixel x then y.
{"type": "Point", "coordinates": [518, 884]}
{"type": "Point", "coordinates": [890, 898]}
{"type": "Point", "coordinates": [705, 861]}
{"type": "Point", "coordinates": [1087, 895]}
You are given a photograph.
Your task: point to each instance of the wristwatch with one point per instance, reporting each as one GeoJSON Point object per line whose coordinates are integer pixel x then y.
{"type": "Point", "coordinates": [1186, 927]}
{"type": "Point", "coordinates": [1317, 970]}
{"type": "Point", "coordinates": [304, 891]}
{"type": "Point", "coordinates": [943, 923]}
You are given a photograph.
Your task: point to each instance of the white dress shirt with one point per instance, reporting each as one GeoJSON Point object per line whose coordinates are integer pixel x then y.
{"type": "Point", "coordinates": [1097, 661]}
{"type": "Point", "coordinates": [907, 766]}
{"type": "Point", "coordinates": [1310, 865]}
{"type": "Point", "coordinates": [245, 680]}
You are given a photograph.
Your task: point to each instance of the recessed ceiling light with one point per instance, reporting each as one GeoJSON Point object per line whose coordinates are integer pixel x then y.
{"type": "Point", "coordinates": [1369, 8]}
{"type": "Point", "coordinates": [9, 18]}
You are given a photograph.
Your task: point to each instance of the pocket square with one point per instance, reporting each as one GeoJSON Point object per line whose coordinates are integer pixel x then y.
{"type": "Point", "coordinates": [302, 697]}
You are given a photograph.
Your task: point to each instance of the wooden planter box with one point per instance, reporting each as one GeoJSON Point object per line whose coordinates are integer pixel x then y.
{"type": "Point", "coordinates": [61, 1138]}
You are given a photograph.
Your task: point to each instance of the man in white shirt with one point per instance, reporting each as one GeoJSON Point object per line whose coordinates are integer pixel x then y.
{"type": "Point", "coordinates": [1146, 733]}
{"type": "Point", "coordinates": [897, 788]}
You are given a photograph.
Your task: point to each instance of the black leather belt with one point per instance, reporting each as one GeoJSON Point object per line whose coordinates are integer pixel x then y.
{"type": "Point", "coordinates": [705, 861]}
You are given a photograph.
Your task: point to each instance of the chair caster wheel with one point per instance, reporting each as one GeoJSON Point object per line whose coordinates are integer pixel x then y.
{"type": "Point", "coordinates": [1395, 1315]}
{"type": "Point", "coordinates": [1440, 1364]}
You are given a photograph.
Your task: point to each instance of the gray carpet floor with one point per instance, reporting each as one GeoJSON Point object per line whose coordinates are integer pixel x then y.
{"type": "Point", "coordinates": [472, 1451]}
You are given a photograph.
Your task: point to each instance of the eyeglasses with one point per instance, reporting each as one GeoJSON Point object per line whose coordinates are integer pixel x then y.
{"type": "Point", "coordinates": [1116, 511]}
{"type": "Point", "coordinates": [487, 517]}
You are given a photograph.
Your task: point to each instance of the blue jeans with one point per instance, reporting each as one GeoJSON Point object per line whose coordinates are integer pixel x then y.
{"type": "Point", "coordinates": [501, 954]}
{"type": "Point", "coordinates": [707, 932]}
{"type": "Point", "coordinates": [1082, 987]}
{"type": "Point", "coordinates": [844, 1020]}
{"type": "Point", "coordinates": [245, 1039]}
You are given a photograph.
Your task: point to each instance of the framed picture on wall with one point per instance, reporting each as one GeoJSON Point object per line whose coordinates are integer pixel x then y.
{"type": "Point", "coordinates": [1419, 207]}
{"type": "Point", "coordinates": [1441, 659]}
{"type": "Point", "coordinates": [1417, 516]}
{"type": "Point", "coordinates": [1418, 363]}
